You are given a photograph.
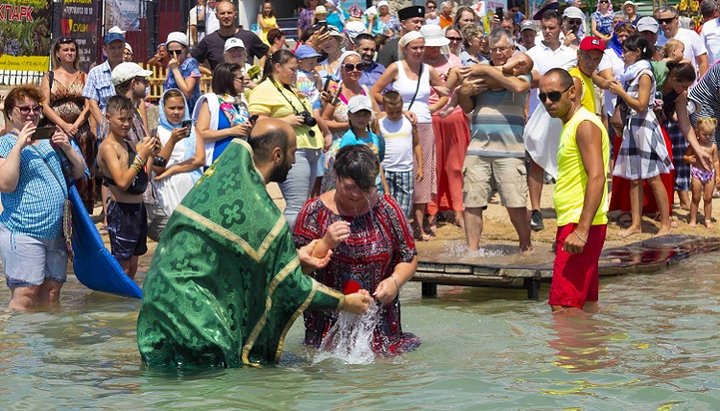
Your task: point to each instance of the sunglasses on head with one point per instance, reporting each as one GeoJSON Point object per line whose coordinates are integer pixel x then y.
{"type": "Point", "coordinates": [350, 67]}
{"type": "Point", "coordinates": [666, 21]}
{"type": "Point", "coordinates": [65, 40]}
{"type": "Point", "coordinates": [554, 96]}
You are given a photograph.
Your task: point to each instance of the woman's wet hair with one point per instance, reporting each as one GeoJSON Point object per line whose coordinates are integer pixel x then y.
{"type": "Point", "coordinates": [19, 93]}
{"type": "Point", "coordinates": [358, 163]}
{"type": "Point", "coordinates": [223, 78]}
{"type": "Point", "coordinates": [279, 57]}
{"type": "Point", "coordinates": [683, 72]}
{"type": "Point", "coordinates": [637, 42]}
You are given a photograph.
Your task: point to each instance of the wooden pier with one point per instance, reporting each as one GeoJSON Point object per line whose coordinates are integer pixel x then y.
{"type": "Point", "coordinates": [501, 266]}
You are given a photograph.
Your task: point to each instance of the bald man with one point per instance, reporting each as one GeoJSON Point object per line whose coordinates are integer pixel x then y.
{"type": "Point", "coordinates": [226, 282]}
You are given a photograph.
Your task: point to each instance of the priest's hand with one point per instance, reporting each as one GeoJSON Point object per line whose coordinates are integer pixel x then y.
{"type": "Point", "coordinates": [357, 303]}
{"type": "Point", "coordinates": [310, 263]}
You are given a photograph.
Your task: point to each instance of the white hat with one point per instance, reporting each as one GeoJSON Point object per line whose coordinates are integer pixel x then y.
{"type": "Point", "coordinates": [647, 23]}
{"type": "Point", "coordinates": [371, 11]}
{"type": "Point", "coordinates": [320, 10]}
{"type": "Point", "coordinates": [408, 37]}
{"type": "Point", "coordinates": [233, 42]}
{"type": "Point", "coordinates": [573, 13]}
{"type": "Point", "coordinates": [354, 28]}
{"type": "Point", "coordinates": [177, 37]}
{"type": "Point", "coordinates": [434, 36]}
{"type": "Point", "coordinates": [127, 71]}
{"type": "Point", "coordinates": [117, 30]}
{"type": "Point", "coordinates": [383, 3]}
{"type": "Point", "coordinates": [128, 47]}
{"type": "Point", "coordinates": [359, 103]}
{"type": "Point", "coordinates": [630, 3]}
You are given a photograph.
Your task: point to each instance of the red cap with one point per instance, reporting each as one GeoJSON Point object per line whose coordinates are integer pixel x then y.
{"type": "Point", "coordinates": [592, 43]}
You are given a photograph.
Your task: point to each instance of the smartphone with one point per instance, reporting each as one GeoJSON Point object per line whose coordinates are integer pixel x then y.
{"type": "Point", "coordinates": [499, 13]}
{"type": "Point", "coordinates": [321, 25]}
{"type": "Point", "coordinates": [327, 83]}
{"type": "Point", "coordinates": [186, 123]}
{"type": "Point", "coordinates": [43, 133]}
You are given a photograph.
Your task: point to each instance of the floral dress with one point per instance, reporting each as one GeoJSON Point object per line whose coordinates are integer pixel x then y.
{"type": "Point", "coordinates": [380, 239]}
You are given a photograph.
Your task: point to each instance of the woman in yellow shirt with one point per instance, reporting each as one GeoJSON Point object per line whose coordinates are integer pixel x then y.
{"type": "Point", "coordinates": [266, 20]}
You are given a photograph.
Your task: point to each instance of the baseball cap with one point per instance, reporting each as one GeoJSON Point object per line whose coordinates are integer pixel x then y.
{"type": "Point", "coordinates": [177, 37]}
{"type": "Point", "coordinates": [306, 52]}
{"type": "Point", "coordinates": [232, 43]}
{"type": "Point", "coordinates": [127, 71]}
{"type": "Point", "coordinates": [117, 30]}
{"type": "Point", "coordinates": [528, 25]}
{"type": "Point", "coordinates": [573, 13]}
{"type": "Point", "coordinates": [112, 37]}
{"type": "Point", "coordinates": [590, 43]}
{"type": "Point", "coordinates": [359, 103]}
{"type": "Point", "coordinates": [648, 23]}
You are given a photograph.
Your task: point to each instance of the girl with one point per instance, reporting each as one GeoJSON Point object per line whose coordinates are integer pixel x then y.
{"type": "Point", "coordinates": [643, 154]}
{"type": "Point", "coordinates": [266, 20]}
{"type": "Point", "coordinates": [703, 181]}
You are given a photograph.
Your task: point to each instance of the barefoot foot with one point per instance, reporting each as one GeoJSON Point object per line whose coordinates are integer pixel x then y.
{"type": "Point", "coordinates": [630, 231]}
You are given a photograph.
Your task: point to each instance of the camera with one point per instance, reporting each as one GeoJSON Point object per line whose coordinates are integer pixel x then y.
{"type": "Point", "coordinates": [308, 119]}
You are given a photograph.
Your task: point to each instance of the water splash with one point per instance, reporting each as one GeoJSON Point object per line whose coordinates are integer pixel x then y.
{"type": "Point", "coordinates": [350, 338]}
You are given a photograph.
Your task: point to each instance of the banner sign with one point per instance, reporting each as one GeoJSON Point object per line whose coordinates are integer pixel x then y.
{"type": "Point", "coordinates": [79, 21]}
{"type": "Point", "coordinates": [123, 13]}
{"type": "Point", "coordinates": [25, 35]}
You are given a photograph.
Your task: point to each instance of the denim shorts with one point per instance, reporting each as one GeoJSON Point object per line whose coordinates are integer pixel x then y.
{"type": "Point", "coordinates": [29, 261]}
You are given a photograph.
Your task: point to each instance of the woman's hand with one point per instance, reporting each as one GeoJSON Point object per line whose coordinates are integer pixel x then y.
{"type": "Point", "coordinates": [337, 233]}
{"type": "Point", "coordinates": [167, 173]}
{"type": "Point", "coordinates": [357, 303]}
{"type": "Point", "coordinates": [70, 129]}
{"type": "Point", "coordinates": [387, 290]}
{"type": "Point", "coordinates": [240, 130]}
{"type": "Point", "coordinates": [179, 134]}
{"type": "Point", "coordinates": [61, 140]}
{"type": "Point", "coordinates": [411, 116]}
{"type": "Point", "coordinates": [615, 87]}
{"type": "Point", "coordinates": [294, 120]}
{"type": "Point", "coordinates": [25, 136]}
{"type": "Point", "coordinates": [173, 64]}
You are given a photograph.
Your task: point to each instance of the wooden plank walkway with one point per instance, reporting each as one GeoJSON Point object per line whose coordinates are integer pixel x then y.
{"type": "Point", "coordinates": [501, 266]}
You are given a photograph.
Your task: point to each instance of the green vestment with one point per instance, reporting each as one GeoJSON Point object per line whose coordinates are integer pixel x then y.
{"type": "Point", "coordinates": [225, 283]}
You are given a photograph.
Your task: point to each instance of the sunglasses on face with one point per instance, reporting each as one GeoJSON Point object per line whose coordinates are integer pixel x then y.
{"type": "Point", "coordinates": [175, 52]}
{"type": "Point", "coordinates": [554, 96]}
{"type": "Point", "coordinates": [666, 21]}
{"type": "Point", "coordinates": [604, 1]}
{"type": "Point", "coordinates": [455, 39]}
{"type": "Point", "coordinates": [575, 22]}
{"type": "Point", "coordinates": [27, 109]}
{"type": "Point", "coordinates": [353, 67]}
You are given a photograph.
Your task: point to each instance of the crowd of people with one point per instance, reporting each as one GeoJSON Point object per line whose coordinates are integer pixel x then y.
{"type": "Point", "coordinates": [376, 124]}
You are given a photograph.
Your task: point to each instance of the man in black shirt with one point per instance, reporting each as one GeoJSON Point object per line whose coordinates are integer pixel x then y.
{"type": "Point", "coordinates": [212, 47]}
{"type": "Point", "coordinates": [411, 19]}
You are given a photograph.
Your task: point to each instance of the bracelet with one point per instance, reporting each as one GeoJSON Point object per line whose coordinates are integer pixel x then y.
{"type": "Point", "coordinates": [139, 159]}
{"type": "Point", "coordinates": [397, 287]}
{"type": "Point", "coordinates": [584, 240]}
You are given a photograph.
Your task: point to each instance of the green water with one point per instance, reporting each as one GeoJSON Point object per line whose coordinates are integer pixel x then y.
{"type": "Point", "coordinates": [653, 345]}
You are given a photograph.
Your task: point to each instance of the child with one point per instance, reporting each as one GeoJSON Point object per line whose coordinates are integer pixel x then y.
{"type": "Point", "coordinates": [703, 181]}
{"type": "Point", "coordinates": [674, 51]}
{"type": "Point", "coordinates": [124, 171]}
{"type": "Point", "coordinates": [401, 141]}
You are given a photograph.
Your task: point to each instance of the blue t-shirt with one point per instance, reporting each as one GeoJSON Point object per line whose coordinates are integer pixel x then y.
{"type": "Point", "coordinates": [36, 206]}
{"type": "Point", "coordinates": [189, 68]}
{"type": "Point", "coordinates": [375, 142]}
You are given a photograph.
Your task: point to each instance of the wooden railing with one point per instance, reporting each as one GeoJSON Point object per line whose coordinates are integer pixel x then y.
{"type": "Point", "coordinates": [157, 79]}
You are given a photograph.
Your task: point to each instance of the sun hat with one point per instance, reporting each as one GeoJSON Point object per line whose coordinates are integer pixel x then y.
{"type": "Point", "coordinates": [233, 42]}
{"type": "Point", "coordinates": [383, 3]}
{"type": "Point", "coordinates": [359, 103]}
{"type": "Point", "coordinates": [177, 37]}
{"type": "Point", "coordinates": [354, 28]}
{"type": "Point", "coordinates": [127, 71]}
{"type": "Point", "coordinates": [306, 52]}
{"type": "Point", "coordinates": [320, 10]}
{"type": "Point", "coordinates": [434, 36]}
{"type": "Point", "coordinates": [630, 3]}
{"type": "Point", "coordinates": [573, 13]}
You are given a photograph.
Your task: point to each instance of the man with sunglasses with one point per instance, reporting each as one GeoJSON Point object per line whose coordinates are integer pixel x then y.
{"type": "Point", "coordinates": [548, 54]}
{"type": "Point", "coordinates": [99, 86]}
{"type": "Point", "coordinates": [590, 54]}
{"type": "Point", "coordinates": [580, 198]}
{"type": "Point", "coordinates": [695, 50]}
{"type": "Point", "coordinates": [365, 46]}
{"type": "Point", "coordinates": [573, 26]}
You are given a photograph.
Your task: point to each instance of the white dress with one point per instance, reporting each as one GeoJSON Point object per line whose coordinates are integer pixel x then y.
{"type": "Point", "coordinates": [172, 190]}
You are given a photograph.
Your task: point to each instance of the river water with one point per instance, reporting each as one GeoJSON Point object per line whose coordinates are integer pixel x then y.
{"type": "Point", "coordinates": [654, 345]}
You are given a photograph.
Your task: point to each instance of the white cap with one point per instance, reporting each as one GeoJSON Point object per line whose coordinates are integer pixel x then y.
{"type": "Point", "coordinates": [648, 23]}
{"type": "Point", "coordinates": [434, 36]}
{"type": "Point", "coordinates": [383, 3]}
{"type": "Point", "coordinates": [233, 42]}
{"type": "Point", "coordinates": [127, 71]}
{"type": "Point", "coordinates": [573, 13]}
{"type": "Point", "coordinates": [128, 47]}
{"type": "Point", "coordinates": [353, 28]}
{"type": "Point", "coordinates": [359, 103]}
{"type": "Point", "coordinates": [177, 37]}
{"type": "Point", "coordinates": [116, 30]}
{"type": "Point", "coordinates": [630, 2]}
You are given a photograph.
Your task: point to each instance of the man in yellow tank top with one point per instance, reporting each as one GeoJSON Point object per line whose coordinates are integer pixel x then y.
{"type": "Point", "coordinates": [589, 56]}
{"type": "Point", "coordinates": [580, 197]}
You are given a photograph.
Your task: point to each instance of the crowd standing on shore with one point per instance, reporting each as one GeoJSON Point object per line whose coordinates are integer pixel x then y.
{"type": "Point", "coordinates": [449, 106]}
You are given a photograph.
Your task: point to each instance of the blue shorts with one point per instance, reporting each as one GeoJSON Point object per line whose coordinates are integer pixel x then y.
{"type": "Point", "coordinates": [127, 228]}
{"type": "Point", "coordinates": [29, 261]}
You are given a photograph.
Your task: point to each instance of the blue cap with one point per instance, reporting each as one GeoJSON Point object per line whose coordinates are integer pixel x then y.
{"type": "Point", "coordinates": [110, 37]}
{"type": "Point", "coordinates": [306, 52]}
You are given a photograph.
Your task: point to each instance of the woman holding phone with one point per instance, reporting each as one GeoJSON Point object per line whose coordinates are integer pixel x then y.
{"type": "Point", "coordinates": [33, 193]}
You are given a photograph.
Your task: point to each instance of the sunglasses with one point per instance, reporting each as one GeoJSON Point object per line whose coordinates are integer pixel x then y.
{"type": "Point", "coordinates": [356, 67]}
{"type": "Point", "coordinates": [666, 21]}
{"type": "Point", "coordinates": [65, 40]}
{"type": "Point", "coordinates": [554, 96]}
{"type": "Point", "coordinates": [604, 1]}
{"type": "Point", "coordinates": [27, 109]}
{"type": "Point", "coordinates": [175, 52]}
{"type": "Point", "coordinates": [455, 39]}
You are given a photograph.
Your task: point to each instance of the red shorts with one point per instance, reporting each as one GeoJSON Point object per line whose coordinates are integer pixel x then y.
{"type": "Point", "coordinates": [575, 276]}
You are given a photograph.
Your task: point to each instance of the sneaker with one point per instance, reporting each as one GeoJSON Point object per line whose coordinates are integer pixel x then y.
{"type": "Point", "coordinates": [536, 222]}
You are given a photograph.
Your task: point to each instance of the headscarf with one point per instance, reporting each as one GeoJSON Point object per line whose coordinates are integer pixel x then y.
{"type": "Point", "coordinates": [167, 125]}
{"type": "Point", "coordinates": [609, 10]}
{"type": "Point", "coordinates": [345, 55]}
{"type": "Point", "coordinates": [407, 38]}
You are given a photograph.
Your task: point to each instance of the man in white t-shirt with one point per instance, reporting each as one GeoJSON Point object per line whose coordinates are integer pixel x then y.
{"type": "Point", "coordinates": [695, 50]}
{"type": "Point", "coordinates": [710, 34]}
{"type": "Point", "coordinates": [548, 54]}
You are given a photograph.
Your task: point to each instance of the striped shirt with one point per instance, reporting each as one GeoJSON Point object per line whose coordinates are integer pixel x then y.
{"type": "Point", "coordinates": [35, 208]}
{"type": "Point", "coordinates": [497, 123]}
{"type": "Point", "coordinates": [705, 95]}
{"type": "Point", "coordinates": [99, 86]}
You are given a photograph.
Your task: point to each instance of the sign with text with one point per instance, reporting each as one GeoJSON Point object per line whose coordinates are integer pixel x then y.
{"type": "Point", "coordinates": [25, 34]}
{"type": "Point", "coordinates": [79, 20]}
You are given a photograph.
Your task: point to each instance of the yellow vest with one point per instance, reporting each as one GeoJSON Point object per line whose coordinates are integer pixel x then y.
{"type": "Point", "coordinates": [569, 194]}
{"type": "Point", "coordinates": [587, 98]}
